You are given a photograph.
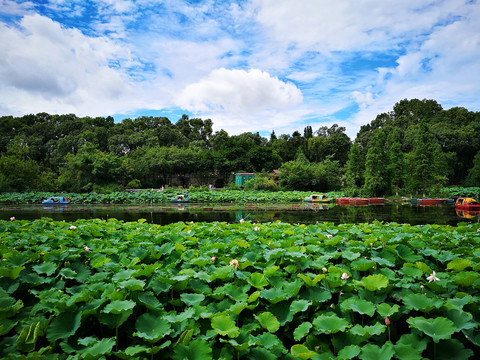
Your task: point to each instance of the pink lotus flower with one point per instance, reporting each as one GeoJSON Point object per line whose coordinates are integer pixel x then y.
{"type": "Point", "coordinates": [12, 218]}
{"type": "Point", "coordinates": [387, 320]}
{"type": "Point", "coordinates": [214, 258]}
{"type": "Point", "coordinates": [344, 276]}
{"type": "Point", "coordinates": [87, 249]}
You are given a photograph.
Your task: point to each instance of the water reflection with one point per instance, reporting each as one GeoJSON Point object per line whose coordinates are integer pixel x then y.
{"type": "Point", "coordinates": [292, 213]}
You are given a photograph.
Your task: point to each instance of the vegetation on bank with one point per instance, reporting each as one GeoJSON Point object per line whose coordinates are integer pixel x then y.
{"type": "Point", "coordinates": [92, 289]}
{"type": "Point", "coordinates": [417, 148]}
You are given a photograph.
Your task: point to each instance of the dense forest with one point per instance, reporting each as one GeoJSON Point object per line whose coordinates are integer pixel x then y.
{"type": "Point", "coordinates": [418, 147]}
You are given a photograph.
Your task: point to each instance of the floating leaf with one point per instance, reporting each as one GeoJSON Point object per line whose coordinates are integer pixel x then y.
{"type": "Point", "coordinates": [349, 352]}
{"type": "Point", "coordinates": [64, 326]}
{"type": "Point", "coordinates": [459, 264]}
{"type": "Point", "coordinates": [374, 352]}
{"type": "Point", "coordinates": [422, 302]}
{"type": "Point", "coordinates": [330, 323]}
{"type": "Point", "coordinates": [438, 328]}
{"type": "Point", "coordinates": [302, 352]}
{"type": "Point", "coordinates": [151, 327]}
{"type": "Point", "coordinates": [224, 325]}
{"type": "Point", "coordinates": [257, 280]}
{"type": "Point", "coordinates": [410, 347]}
{"type": "Point", "coordinates": [301, 331]}
{"type": "Point", "coordinates": [374, 282]}
{"type": "Point", "coordinates": [268, 321]}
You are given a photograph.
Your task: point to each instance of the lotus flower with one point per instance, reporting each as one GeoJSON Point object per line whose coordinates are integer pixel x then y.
{"type": "Point", "coordinates": [329, 236]}
{"type": "Point", "coordinates": [214, 258]}
{"type": "Point", "coordinates": [432, 277]}
{"type": "Point", "coordinates": [344, 276]}
{"type": "Point", "coordinates": [12, 218]}
{"type": "Point", "coordinates": [87, 249]}
{"type": "Point", "coordinates": [387, 320]}
{"type": "Point", "coordinates": [73, 227]}
{"type": "Point", "coordinates": [324, 269]}
{"type": "Point", "coordinates": [234, 263]}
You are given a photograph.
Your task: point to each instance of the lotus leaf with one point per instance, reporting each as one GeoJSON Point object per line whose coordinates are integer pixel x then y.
{"type": "Point", "coordinates": [301, 331]}
{"type": "Point", "coordinates": [302, 352]}
{"type": "Point", "coordinates": [459, 264]}
{"type": "Point", "coordinates": [330, 323]}
{"type": "Point", "coordinates": [374, 282]}
{"type": "Point", "coordinates": [151, 327]}
{"type": "Point", "coordinates": [422, 302]}
{"type": "Point", "coordinates": [374, 352]}
{"type": "Point", "coordinates": [410, 347]}
{"type": "Point", "coordinates": [368, 330]}
{"type": "Point", "coordinates": [64, 326]}
{"type": "Point", "coordinates": [438, 328]}
{"type": "Point", "coordinates": [453, 349]}
{"type": "Point", "coordinates": [224, 325]}
{"type": "Point", "coordinates": [349, 352]}
{"type": "Point", "coordinates": [268, 321]}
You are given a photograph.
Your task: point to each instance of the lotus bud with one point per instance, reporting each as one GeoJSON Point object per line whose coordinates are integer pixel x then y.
{"type": "Point", "coordinates": [214, 258]}
{"type": "Point", "coordinates": [387, 320]}
{"type": "Point", "coordinates": [324, 270]}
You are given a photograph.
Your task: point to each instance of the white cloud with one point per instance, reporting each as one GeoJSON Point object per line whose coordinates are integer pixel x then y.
{"type": "Point", "coordinates": [46, 67]}
{"type": "Point", "coordinates": [239, 91]}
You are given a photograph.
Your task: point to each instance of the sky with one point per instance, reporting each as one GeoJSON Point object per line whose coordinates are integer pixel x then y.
{"type": "Point", "coordinates": [248, 65]}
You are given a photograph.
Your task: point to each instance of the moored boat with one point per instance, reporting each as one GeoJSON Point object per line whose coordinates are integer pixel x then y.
{"type": "Point", "coordinates": [179, 199]}
{"type": "Point", "coordinates": [467, 204]}
{"type": "Point", "coordinates": [376, 201]}
{"type": "Point", "coordinates": [342, 201]}
{"type": "Point", "coordinates": [430, 202]}
{"type": "Point", "coordinates": [57, 200]}
{"type": "Point", "coordinates": [358, 201]}
{"type": "Point", "coordinates": [317, 198]}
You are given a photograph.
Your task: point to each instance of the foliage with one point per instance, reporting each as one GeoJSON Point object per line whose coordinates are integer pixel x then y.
{"type": "Point", "coordinates": [97, 289]}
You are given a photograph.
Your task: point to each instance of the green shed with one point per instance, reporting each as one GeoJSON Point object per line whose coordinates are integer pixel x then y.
{"type": "Point", "coordinates": [241, 178]}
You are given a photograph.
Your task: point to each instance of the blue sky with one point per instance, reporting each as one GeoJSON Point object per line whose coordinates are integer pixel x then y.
{"type": "Point", "coordinates": [251, 65]}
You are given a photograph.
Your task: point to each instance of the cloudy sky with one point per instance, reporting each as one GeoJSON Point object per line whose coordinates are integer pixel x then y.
{"type": "Point", "coordinates": [249, 65]}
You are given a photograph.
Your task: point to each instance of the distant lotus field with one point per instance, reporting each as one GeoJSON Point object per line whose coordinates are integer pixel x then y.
{"type": "Point", "coordinates": [97, 289]}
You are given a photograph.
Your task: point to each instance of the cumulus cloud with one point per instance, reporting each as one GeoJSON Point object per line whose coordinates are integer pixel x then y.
{"type": "Point", "coordinates": [238, 91]}
{"type": "Point", "coordinates": [45, 67]}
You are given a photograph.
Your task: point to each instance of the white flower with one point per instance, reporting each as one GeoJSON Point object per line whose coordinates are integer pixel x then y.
{"type": "Point", "coordinates": [256, 228]}
{"type": "Point", "coordinates": [432, 277]}
{"type": "Point", "coordinates": [344, 276]}
{"type": "Point", "coordinates": [234, 263]}
{"type": "Point", "coordinates": [87, 249]}
{"type": "Point", "coordinates": [241, 221]}
{"type": "Point", "coordinates": [329, 236]}
{"type": "Point", "coordinates": [73, 227]}
{"type": "Point", "coordinates": [12, 218]}
{"type": "Point", "coordinates": [324, 269]}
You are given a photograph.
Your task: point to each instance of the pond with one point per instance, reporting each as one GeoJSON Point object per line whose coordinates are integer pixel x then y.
{"type": "Point", "coordinates": [291, 213]}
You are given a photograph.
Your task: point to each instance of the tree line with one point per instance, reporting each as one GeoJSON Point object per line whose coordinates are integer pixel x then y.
{"type": "Point", "coordinates": [416, 147]}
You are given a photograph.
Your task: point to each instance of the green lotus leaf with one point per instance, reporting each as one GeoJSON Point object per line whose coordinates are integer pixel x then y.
{"type": "Point", "coordinates": [275, 295]}
{"type": "Point", "coordinates": [27, 339]}
{"type": "Point", "coordinates": [368, 330]}
{"type": "Point", "coordinates": [463, 320]}
{"type": "Point", "coordinates": [301, 331]}
{"type": "Point", "coordinates": [316, 295]}
{"type": "Point", "coordinates": [374, 352]}
{"type": "Point", "coordinates": [424, 267]}
{"type": "Point", "coordinates": [11, 273]}
{"type": "Point", "coordinates": [175, 317]}
{"type": "Point", "coordinates": [349, 352]}
{"type": "Point", "coordinates": [311, 281]}
{"type": "Point", "coordinates": [453, 349]}
{"type": "Point", "coordinates": [459, 264]}
{"type": "Point", "coordinates": [225, 325]}
{"type": "Point", "coordinates": [374, 282]}
{"type": "Point", "coordinates": [422, 302]}
{"type": "Point", "coordinates": [437, 328]}
{"type": "Point", "coordinates": [257, 280]}
{"type": "Point", "coordinates": [123, 275]}
{"type": "Point", "coordinates": [363, 264]}
{"type": "Point", "coordinates": [411, 271]}
{"type": "Point", "coordinates": [299, 306]}
{"type": "Point", "coordinates": [407, 254]}
{"type": "Point", "coordinates": [132, 284]}
{"type": "Point", "coordinates": [302, 352]}
{"type": "Point", "coordinates": [149, 301]}
{"type": "Point", "coordinates": [64, 325]}
{"type": "Point", "coordinates": [282, 311]}
{"type": "Point", "coordinates": [330, 323]}
{"type": "Point", "coordinates": [466, 278]}
{"type": "Point", "coordinates": [8, 306]}
{"type": "Point", "coordinates": [100, 261]}
{"type": "Point", "coordinates": [268, 321]}
{"type": "Point", "coordinates": [350, 255]}
{"type": "Point", "coordinates": [358, 305]}
{"type": "Point", "coordinates": [151, 327]}
{"type": "Point", "coordinates": [119, 306]}
{"type": "Point", "coordinates": [385, 309]}
{"type": "Point", "coordinates": [192, 299]}
{"type": "Point", "coordinates": [99, 348]}
{"type": "Point", "coordinates": [47, 268]}
{"type": "Point", "coordinates": [410, 347]}
{"type": "Point", "coordinates": [6, 325]}
{"type": "Point", "coordinates": [137, 349]}
{"type": "Point", "coordinates": [262, 354]}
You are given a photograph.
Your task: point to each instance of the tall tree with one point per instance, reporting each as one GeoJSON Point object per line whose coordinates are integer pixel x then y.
{"type": "Point", "coordinates": [354, 177]}
{"type": "Point", "coordinates": [376, 177]}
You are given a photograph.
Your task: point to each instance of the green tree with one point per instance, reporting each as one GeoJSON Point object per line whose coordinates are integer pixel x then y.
{"type": "Point", "coordinates": [355, 168]}
{"type": "Point", "coordinates": [396, 161]}
{"type": "Point", "coordinates": [473, 178]}
{"type": "Point", "coordinates": [376, 177]}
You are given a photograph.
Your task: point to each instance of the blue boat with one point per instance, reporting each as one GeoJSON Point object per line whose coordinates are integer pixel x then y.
{"type": "Point", "coordinates": [57, 200]}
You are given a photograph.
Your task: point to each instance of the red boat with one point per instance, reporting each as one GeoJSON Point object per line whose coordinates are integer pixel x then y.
{"type": "Point", "coordinates": [428, 201]}
{"type": "Point", "coordinates": [342, 201]}
{"type": "Point", "coordinates": [467, 204]}
{"type": "Point", "coordinates": [358, 201]}
{"type": "Point", "coordinates": [376, 201]}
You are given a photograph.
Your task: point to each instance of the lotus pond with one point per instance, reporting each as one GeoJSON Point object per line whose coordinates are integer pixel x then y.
{"type": "Point", "coordinates": [93, 289]}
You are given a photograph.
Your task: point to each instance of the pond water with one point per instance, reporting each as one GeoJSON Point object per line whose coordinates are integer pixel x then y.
{"type": "Point", "coordinates": [291, 213]}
